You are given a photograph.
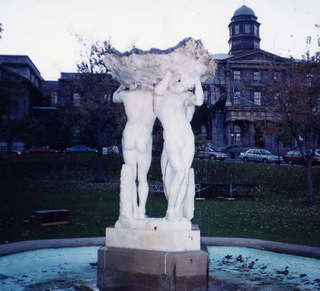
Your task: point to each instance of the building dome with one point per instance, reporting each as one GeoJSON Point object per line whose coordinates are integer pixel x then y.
{"type": "Point", "coordinates": [244, 10]}
{"type": "Point", "coordinates": [244, 31]}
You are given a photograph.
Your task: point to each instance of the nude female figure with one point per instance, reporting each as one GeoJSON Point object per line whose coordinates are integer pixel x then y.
{"type": "Point", "coordinates": [137, 141]}
{"type": "Point", "coordinates": [174, 105]}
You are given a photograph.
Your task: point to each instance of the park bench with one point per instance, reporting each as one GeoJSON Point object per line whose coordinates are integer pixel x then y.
{"type": "Point", "coordinates": [227, 191]}
{"type": "Point", "coordinates": [52, 217]}
{"type": "Point", "coordinates": [230, 191]}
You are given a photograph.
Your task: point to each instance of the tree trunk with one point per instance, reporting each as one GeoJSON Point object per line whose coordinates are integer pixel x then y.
{"type": "Point", "coordinates": [100, 173]}
{"type": "Point", "coordinates": [10, 154]}
{"type": "Point", "coordinates": [310, 189]}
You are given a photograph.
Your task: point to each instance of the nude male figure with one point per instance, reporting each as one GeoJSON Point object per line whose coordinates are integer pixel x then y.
{"type": "Point", "coordinates": [137, 140]}
{"type": "Point", "coordinates": [174, 105]}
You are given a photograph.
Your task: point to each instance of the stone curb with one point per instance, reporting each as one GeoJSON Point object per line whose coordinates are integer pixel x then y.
{"type": "Point", "coordinates": [29, 245]}
{"type": "Point", "coordinates": [278, 247]}
{"type": "Point", "coordinates": [293, 249]}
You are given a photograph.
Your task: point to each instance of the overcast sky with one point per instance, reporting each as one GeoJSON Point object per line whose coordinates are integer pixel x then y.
{"type": "Point", "coordinates": [44, 29]}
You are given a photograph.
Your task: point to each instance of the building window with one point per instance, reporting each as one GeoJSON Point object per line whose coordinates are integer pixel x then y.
{"type": "Point", "coordinates": [236, 75]}
{"type": "Point", "coordinates": [255, 29]}
{"type": "Point", "coordinates": [257, 76]}
{"type": "Point", "coordinates": [76, 131]}
{"type": "Point", "coordinates": [275, 76]}
{"type": "Point", "coordinates": [256, 44]}
{"type": "Point", "coordinates": [53, 98]}
{"type": "Point", "coordinates": [257, 98]}
{"type": "Point", "coordinates": [236, 97]}
{"type": "Point", "coordinates": [76, 99]}
{"type": "Point", "coordinates": [247, 28]}
{"type": "Point", "coordinates": [205, 95]}
{"type": "Point", "coordinates": [237, 29]}
{"type": "Point", "coordinates": [108, 97]}
{"type": "Point", "coordinates": [236, 135]}
{"type": "Point", "coordinates": [276, 96]}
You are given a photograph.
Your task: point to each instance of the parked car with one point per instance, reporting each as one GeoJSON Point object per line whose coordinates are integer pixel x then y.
{"type": "Point", "coordinates": [40, 149]}
{"type": "Point", "coordinates": [80, 149]}
{"type": "Point", "coordinates": [17, 153]}
{"type": "Point", "coordinates": [260, 155]}
{"type": "Point", "coordinates": [295, 157]}
{"type": "Point", "coordinates": [112, 150]}
{"type": "Point", "coordinates": [206, 152]}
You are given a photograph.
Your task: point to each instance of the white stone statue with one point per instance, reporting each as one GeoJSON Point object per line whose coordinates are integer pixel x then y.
{"type": "Point", "coordinates": [136, 146]}
{"type": "Point", "coordinates": [174, 104]}
{"type": "Point", "coordinates": [169, 88]}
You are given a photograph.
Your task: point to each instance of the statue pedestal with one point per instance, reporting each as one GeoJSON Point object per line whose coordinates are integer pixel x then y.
{"type": "Point", "coordinates": [153, 240]}
{"type": "Point", "coordinates": [132, 269]}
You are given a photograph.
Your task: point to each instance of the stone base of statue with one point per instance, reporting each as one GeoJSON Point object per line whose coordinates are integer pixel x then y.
{"type": "Point", "coordinates": [132, 269]}
{"type": "Point", "coordinates": [155, 234]}
{"type": "Point", "coordinates": [155, 255]}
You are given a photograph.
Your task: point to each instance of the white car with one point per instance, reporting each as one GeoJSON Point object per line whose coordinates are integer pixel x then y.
{"type": "Point", "coordinates": [260, 155]}
{"type": "Point", "coordinates": [210, 153]}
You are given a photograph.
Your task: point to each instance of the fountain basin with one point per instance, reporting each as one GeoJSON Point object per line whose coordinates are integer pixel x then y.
{"type": "Point", "coordinates": [68, 263]}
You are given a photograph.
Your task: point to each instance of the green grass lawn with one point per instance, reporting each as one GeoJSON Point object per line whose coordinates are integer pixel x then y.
{"type": "Point", "coordinates": [281, 215]}
{"type": "Point", "coordinates": [93, 207]}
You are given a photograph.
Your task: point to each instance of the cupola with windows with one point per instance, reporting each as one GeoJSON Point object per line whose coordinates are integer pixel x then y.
{"type": "Point", "coordinates": [244, 31]}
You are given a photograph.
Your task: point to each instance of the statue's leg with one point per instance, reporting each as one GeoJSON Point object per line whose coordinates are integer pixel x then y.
{"type": "Point", "coordinates": [130, 159]}
{"type": "Point", "coordinates": [164, 171]}
{"type": "Point", "coordinates": [182, 195]}
{"type": "Point", "coordinates": [126, 191]}
{"type": "Point", "coordinates": [144, 162]}
{"type": "Point", "coordinates": [178, 175]}
{"type": "Point", "coordinates": [187, 155]}
{"type": "Point", "coordinates": [188, 202]}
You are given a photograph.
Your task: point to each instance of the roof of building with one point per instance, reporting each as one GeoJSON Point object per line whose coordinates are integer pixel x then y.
{"type": "Point", "coordinates": [220, 56]}
{"type": "Point", "coordinates": [20, 60]}
{"type": "Point", "coordinates": [50, 85]}
{"type": "Point", "coordinates": [244, 10]}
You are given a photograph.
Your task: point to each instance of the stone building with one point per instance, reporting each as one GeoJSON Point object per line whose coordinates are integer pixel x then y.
{"type": "Point", "coordinates": [20, 91]}
{"type": "Point", "coordinates": [240, 82]}
{"type": "Point", "coordinates": [70, 90]}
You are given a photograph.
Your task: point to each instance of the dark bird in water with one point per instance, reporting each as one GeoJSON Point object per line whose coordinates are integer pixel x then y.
{"type": "Point", "coordinates": [284, 272]}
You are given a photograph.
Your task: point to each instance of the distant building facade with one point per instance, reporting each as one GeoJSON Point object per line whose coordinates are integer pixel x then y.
{"type": "Point", "coordinates": [240, 83]}
{"type": "Point", "coordinates": [20, 82]}
{"type": "Point", "coordinates": [66, 91]}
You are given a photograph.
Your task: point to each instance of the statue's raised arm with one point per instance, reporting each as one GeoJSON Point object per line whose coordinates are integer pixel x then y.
{"type": "Point", "coordinates": [163, 85]}
{"type": "Point", "coordinates": [118, 94]}
{"type": "Point", "coordinates": [198, 92]}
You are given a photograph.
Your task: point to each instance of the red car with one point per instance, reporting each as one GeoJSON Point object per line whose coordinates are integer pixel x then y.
{"type": "Point", "coordinates": [295, 157]}
{"type": "Point", "coordinates": [40, 149]}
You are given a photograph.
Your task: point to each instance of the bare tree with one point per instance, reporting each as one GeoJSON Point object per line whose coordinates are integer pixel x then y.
{"type": "Point", "coordinates": [1, 30]}
{"type": "Point", "coordinates": [297, 108]}
{"type": "Point", "coordinates": [97, 114]}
